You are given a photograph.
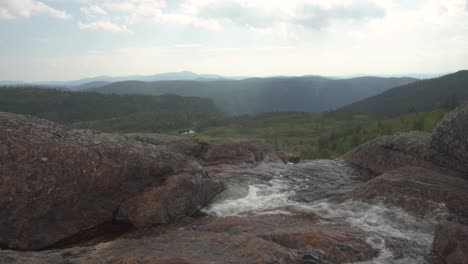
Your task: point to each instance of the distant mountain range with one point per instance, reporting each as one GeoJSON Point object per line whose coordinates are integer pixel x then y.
{"type": "Point", "coordinates": [423, 95]}
{"type": "Point", "coordinates": [100, 80]}
{"type": "Point", "coordinates": [258, 95]}
{"type": "Point", "coordinates": [87, 83]}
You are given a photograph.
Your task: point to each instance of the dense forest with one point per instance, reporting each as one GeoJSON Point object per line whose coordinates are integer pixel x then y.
{"type": "Point", "coordinates": [425, 95]}
{"type": "Point", "coordinates": [261, 95]}
{"type": "Point", "coordinates": [324, 135]}
{"type": "Point", "coordinates": [113, 113]}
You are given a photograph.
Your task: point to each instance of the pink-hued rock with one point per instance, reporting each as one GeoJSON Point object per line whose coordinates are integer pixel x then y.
{"type": "Point", "coordinates": [450, 244]}
{"type": "Point", "coordinates": [418, 190]}
{"type": "Point", "coordinates": [56, 183]}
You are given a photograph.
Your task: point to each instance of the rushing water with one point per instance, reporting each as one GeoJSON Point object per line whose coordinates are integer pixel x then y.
{"type": "Point", "coordinates": [317, 187]}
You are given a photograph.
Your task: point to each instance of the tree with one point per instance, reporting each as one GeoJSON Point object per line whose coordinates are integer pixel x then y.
{"type": "Point", "coordinates": [418, 124]}
{"type": "Point", "coordinates": [452, 102]}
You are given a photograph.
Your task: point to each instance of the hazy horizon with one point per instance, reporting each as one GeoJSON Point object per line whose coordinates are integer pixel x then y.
{"type": "Point", "coordinates": [226, 77]}
{"type": "Point", "coordinates": [56, 40]}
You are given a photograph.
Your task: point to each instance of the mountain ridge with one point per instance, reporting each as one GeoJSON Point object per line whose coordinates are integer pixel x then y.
{"type": "Point", "coordinates": [422, 95]}
{"type": "Point", "coordinates": [259, 95]}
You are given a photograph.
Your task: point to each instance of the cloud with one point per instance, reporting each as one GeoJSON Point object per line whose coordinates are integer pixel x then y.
{"type": "Point", "coordinates": [104, 25]}
{"type": "Point", "coordinates": [11, 9]}
{"type": "Point", "coordinates": [131, 12]}
{"type": "Point", "coordinates": [240, 14]}
{"type": "Point", "coordinates": [316, 16]}
{"type": "Point", "coordinates": [268, 14]}
{"type": "Point", "coordinates": [260, 15]}
{"type": "Point", "coordinates": [93, 10]}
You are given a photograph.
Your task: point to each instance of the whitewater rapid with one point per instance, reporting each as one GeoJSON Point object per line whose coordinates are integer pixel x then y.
{"type": "Point", "coordinates": [317, 188]}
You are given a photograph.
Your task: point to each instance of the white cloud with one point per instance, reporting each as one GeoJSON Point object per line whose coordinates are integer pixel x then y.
{"type": "Point", "coordinates": [267, 14]}
{"type": "Point", "coordinates": [93, 10]}
{"type": "Point", "coordinates": [261, 15]}
{"type": "Point", "coordinates": [11, 9]}
{"type": "Point", "coordinates": [104, 25]}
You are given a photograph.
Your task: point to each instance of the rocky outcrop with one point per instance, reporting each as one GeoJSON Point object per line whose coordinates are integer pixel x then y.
{"type": "Point", "coordinates": [444, 151]}
{"type": "Point", "coordinates": [450, 138]}
{"type": "Point", "coordinates": [175, 247]}
{"type": "Point", "coordinates": [56, 183]}
{"type": "Point", "coordinates": [215, 155]}
{"type": "Point", "coordinates": [181, 195]}
{"type": "Point", "coordinates": [424, 173]}
{"type": "Point", "coordinates": [450, 244]}
{"type": "Point", "coordinates": [418, 190]}
{"type": "Point", "coordinates": [406, 149]}
{"type": "Point", "coordinates": [329, 242]}
{"type": "Point", "coordinates": [257, 239]}
{"type": "Point", "coordinates": [289, 156]}
{"type": "Point", "coordinates": [212, 152]}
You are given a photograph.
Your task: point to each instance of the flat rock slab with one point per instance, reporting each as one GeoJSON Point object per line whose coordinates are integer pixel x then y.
{"type": "Point", "coordinates": [214, 152]}
{"type": "Point", "coordinates": [178, 246]}
{"type": "Point", "coordinates": [418, 190]}
{"type": "Point", "coordinates": [334, 242]}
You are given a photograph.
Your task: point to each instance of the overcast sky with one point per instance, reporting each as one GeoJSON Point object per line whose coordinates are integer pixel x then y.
{"type": "Point", "coordinates": [72, 39]}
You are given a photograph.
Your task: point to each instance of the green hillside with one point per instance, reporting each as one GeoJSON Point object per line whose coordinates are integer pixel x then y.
{"type": "Point", "coordinates": [425, 95]}
{"type": "Point", "coordinates": [262, 95]}
{"type": "Point", "coordinates": [120, 113]}
{"type": "Point", "coordinates": [325, 135]}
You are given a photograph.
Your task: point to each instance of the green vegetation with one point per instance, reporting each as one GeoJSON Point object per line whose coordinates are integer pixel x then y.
{"type": "Point", "coordinates": [112, 113]}
{"type": "Point", "coordinates": [425, 95]}
{"type": "Point", "coordinates": [262, 95]}
{"type": "Point", "coordinates": [325, 135]}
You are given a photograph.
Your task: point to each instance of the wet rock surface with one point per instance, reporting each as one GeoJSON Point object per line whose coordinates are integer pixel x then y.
{"type": "Point", "coordinates": [418, 190]}
{"type": "Point", "coordinates": [336, 243]}
{"type": "Point", "coordinates": [451, 243]}
{"type": "Point", "coordinates": [424, 173]}
{"type": "Point", "coordinates": [178, 246]}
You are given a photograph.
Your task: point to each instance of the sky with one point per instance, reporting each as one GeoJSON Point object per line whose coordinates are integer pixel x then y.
{"type": "Point", "coordinates": [71, 39]}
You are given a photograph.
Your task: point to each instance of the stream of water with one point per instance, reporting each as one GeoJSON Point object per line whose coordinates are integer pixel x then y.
{"type": "Point", "coordinates": [317, 187]}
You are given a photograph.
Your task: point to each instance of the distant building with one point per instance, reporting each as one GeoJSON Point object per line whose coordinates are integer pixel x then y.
{"type": "Point", "coordinates": [187, 132]}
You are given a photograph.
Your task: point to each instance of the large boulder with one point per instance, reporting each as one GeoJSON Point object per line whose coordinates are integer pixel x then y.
{"type": "Point", "coordinates": [404, 149]}
{"type": "Point", "coordinates": [391, 152]}
{"type": "Point", "coordinates": [181, 195]}
{"type": "Point", "coordinates": [419, 190]}
{"type": "Point", "coordinates": [450, 244]}
{"type": "Point", "coordinates": [450, 137]}
{"type": "Point", "coordinates": [215, 154]}
{"type": "Point", "coordinates": [57, 183]}
{"type": "Point", "coordinates": [445, 151]}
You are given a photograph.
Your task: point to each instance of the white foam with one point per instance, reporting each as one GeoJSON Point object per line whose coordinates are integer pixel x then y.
{"type": "Point", "coordinates": [380, 222]}
{"type": "Point", "coordinates": [260, 199]}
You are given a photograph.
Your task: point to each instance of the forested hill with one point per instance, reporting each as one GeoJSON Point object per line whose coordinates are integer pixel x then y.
{"type": "Point", "coordinates": [422, 95]}
{"type": "Point", "coordinates": [125, 113]}
{"type": "Point", "coordinates": [259, 95]}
